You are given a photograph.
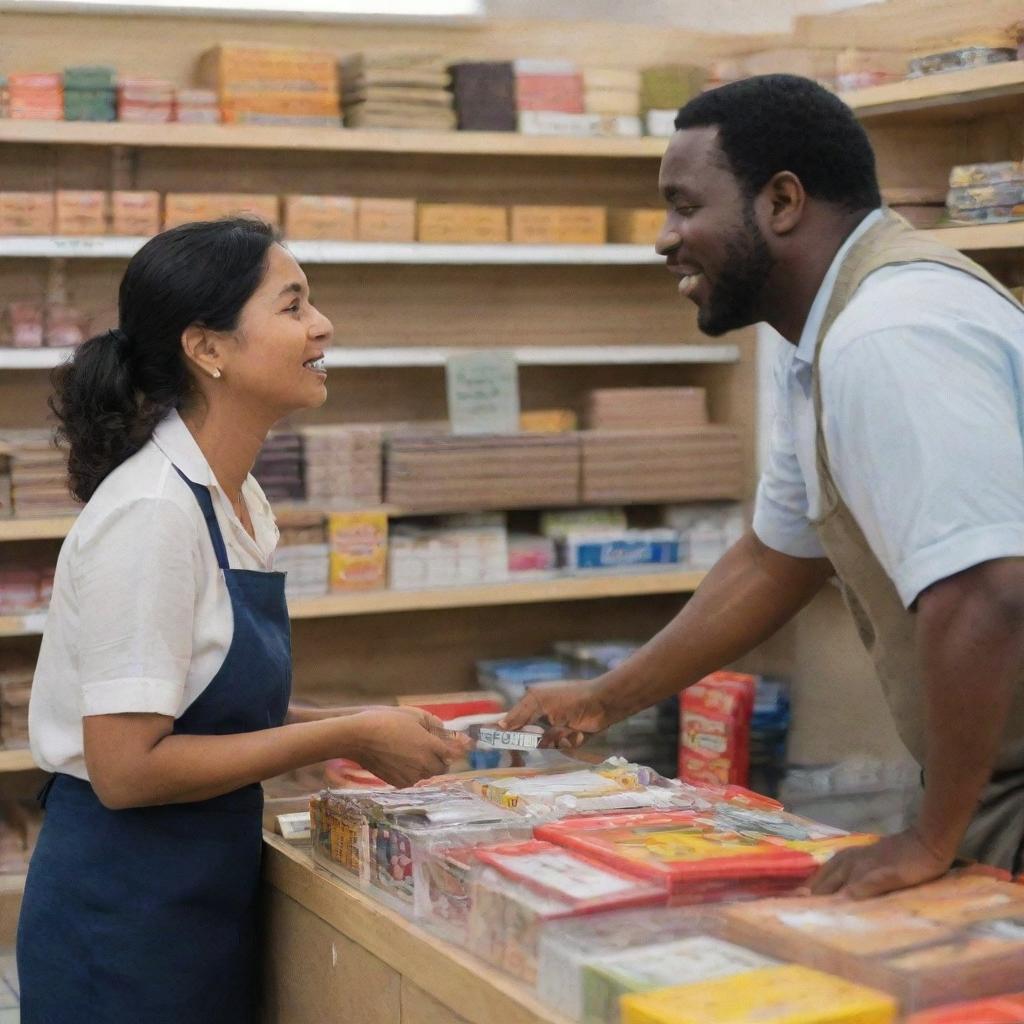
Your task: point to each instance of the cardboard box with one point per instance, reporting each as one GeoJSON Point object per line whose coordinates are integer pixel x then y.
{"type": "Point", "coordinates": [559, 225]}
{"type": "Point", "coordinates": [80, 213]}
{"type": "Point", "coordinates": [462, 222]}
{"type": "Point", "coordinates": [635, 226]}
{"type": "Point", "coordinates": [331, 218]}
{"type": "Point", "coordinates": [186, 207]}
{"type": "Point", "coordinates": [135, 214]}
{"type": "Point", "coordinates": [386, 220]}
{"type": "Point", "coordinates": [359, 546]}
{"type": "Point", "coordinates": [26, 213]}
{"type": "Point", "coordinates": [255, 67]}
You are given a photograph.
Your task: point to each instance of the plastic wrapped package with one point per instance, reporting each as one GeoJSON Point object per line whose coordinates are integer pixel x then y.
{"type": "Point", "coordinates": [516, 888]}
{"type": "Point", "coordinates": [982, 175]}
{"type": "Point", "coordinates": [774, 995]}
{"type": "Point", "coordinates": [714, 740]}
{"type": "Point", "coordinates": [682, 962]}
{"type": "Point", "coordinates": [726, 852]}
{"type": "Point", "coordinates": [961, 937]}
{"type": "Point", "coordinates": [960, 60]}
{"type": "Point", "coordinates": [997, 1010]}
{"type": "Point", "coordinates": [566, 948]}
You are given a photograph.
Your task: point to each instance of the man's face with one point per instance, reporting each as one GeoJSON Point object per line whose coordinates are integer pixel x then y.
{"type": "Point", "coordinates": [711, 240]}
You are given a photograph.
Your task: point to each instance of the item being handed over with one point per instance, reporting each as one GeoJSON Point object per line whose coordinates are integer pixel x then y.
{"type": "Point", "coordinates": [486, 732]}
{"type": "Point", "coordinates": [570, 712]}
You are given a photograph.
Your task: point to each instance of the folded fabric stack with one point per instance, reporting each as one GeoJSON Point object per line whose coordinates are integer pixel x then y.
{"type": "Point", "coordinates": [145, 100]}
{"type": "Point", "coordinates": [640, 408]}
{"type": "Point", "coordinates": [273, 85]}
{"type": "Point", "coordinates": [343, 465]}
{"type": "Point", "coordinates": [36, 97]}
{"type": "Point", "coordinates": [90, 94]}
{"type": "Point", "coordinates": [15, 688]}
{"type": "Point", "coordinates": [302, 552]}
{"type": "Point", "coordinates": [652, 466]}
{"type": "Point", "coordinates": [39, 475]}
{"type": "Point", "coordinates": [485, 95]}
{"type": "Point", "coordinates": [448, 473]}
{"type": "Point", "coordinates": [196, 106]}
{"type": "Point", "coordinates": [278, 467]}
{"type": "Point", "coordinates": [397, 90]}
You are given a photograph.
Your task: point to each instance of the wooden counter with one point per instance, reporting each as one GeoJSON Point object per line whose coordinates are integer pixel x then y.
{"type": "Point", "coordinates": [335, 956]}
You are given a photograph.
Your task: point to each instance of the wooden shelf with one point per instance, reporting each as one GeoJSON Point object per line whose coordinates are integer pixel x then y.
{"type": "Point", "coordinates": [56, 247]}
{"type": "Point", "coordinates": [16, 761]}
{"type": "Point", "coordinates": [973, 238]}
{"type": "Point", "coordinates": [376, 602]}
{"type": "Point", "coordinates": [378, 357]}
{"type": "Point", "coordinates": [352, 140]}
{"type": "Point", "coordinates": [52, 528]}
{"type": "Point", "coordinates": [955, 95]}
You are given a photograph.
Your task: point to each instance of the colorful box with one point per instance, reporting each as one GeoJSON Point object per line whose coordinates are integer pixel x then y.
{"type": "Point", "coordinates": [386, 220]}
{"type": "Point", "coordinates": [320, 218]}
{"type": "Point", "coordinates": [359, 547]}
{"type": "Point", "coordinates": [462, 222]}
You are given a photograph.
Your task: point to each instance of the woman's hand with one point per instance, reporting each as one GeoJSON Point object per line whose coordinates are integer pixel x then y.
{"type": "Point", "coordinates": [401, 745]}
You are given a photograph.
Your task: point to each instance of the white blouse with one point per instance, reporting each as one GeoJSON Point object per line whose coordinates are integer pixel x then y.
{"type": "Point", "coordinates": [141, 618]}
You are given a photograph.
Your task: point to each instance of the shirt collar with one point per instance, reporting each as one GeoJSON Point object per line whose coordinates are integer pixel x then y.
{"type": "Point", "coordinates": [175, 440]}
{"type": "Point", "coordinates": [809, 335]}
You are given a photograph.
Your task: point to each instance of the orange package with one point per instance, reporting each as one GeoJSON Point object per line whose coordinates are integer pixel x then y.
{"type": "Point", "coordinates": [999, 1010]}
{"type": "Point", "coordinates": [714, 741]}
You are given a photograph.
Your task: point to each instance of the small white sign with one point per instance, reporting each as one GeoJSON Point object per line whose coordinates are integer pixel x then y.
{"type": "Point", "coordinates": [483, 393]}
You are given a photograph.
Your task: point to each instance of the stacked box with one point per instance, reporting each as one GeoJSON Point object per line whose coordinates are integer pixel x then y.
{"type": "Point", "coordinates": [320, 218]}
{"type": "Point", "coordinates": [23, 325]}
{"type": "Point", "coordinates": [135, 214]}
{"type": "Point", "coordinates": [953, 939]}
{"type": "Point", "coordinates": [343, 465]}
{"type": "Point", "coordinates": [196, 106]}
{"type": "Point", "coordinates": [302, 552]}
{"type": "Point", "coordinates": [145, 100]}
{"type": "Point", "coordinates": [359, 549]}
{"type": "Point", "coordinates": [27, 213]}
{"type": "Point", "coordinates": [15, 689]}
{"type": "Point", "coordinates": [616, 551]}
{"type": "Point", "coordinates": [397, 90]}
{"type": "Point", "coordinates": [639, 408]}
{"type": "Point", "coordinates": [551, 86]}
{"type": "Point", "coordinates": [458, 551]}
{"type": "Point", "coordinates": [714, 740]}
{"type": "Point", "coordinates": [386, 220]}
{"type": "Point", "coordinates": [278, 467]}
{"type": "Point", "coordinates": [447, 473]}
{"type": "Point", "coordinates": [187, 207]}
{"type": "Point", "coordinates": [35, 97]}
{"type": "Point", "coordinates": [611, 92]}
{"type": "Point", "coordinates": [90, 94]}
{"type": "Point", "coordinates": [635, 226]}
{"type": "Point", "coordinates": [986, 193]}
{"type": "Point", "coordinates": [462, 222]}
{"type": "Point", "coordinates": [773, 995]}
{"type": "Point", "coordinates": [559, 225]}
{"type": "Point", "coordinates": [264, 84]}
{"type": "Point", "coordinates": [80, 213]}
{"type": "Point", "coordinates": [39, 479]}
{"type": "Point", "coordinates": [485, 95]}
{"type": "Point", "coordinates": [706, 530]}
{"type": "Point", "coordinates": [653, 466]}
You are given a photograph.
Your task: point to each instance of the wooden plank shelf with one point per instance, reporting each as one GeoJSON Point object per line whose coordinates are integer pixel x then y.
{"type": "Point", "coordinates": [981, 237]}
{"type": "Point", "coordinates": [332, 140]}
{"type": "Point", "coordinates": [955, 95]}
{"type": "Point", "coordinates": [52, 528]}
{"type": "Point", "coordinates": [16, 761]}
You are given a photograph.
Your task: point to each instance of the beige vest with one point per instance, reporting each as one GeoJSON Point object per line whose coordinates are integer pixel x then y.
{"type": "Point", "coordinates": [886, 628]}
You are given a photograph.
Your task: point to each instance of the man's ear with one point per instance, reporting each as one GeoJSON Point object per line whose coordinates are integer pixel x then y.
{"type": "Point", "coordinates": [785, 199]}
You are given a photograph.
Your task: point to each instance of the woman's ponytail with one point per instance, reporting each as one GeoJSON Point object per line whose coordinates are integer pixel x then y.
{"type": "Point", "coordinates": [119, 385]}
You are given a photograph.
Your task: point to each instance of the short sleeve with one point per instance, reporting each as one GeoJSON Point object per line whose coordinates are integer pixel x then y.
{"type": "Point", "coordinates": [135, 581]}
{"type": "Point", "coordinates": [781, 512]}
{"type": "Point", "coordinates": [923, 430]}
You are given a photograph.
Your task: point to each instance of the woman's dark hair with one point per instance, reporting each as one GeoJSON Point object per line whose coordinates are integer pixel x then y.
{"type": "Point", "coordinates": [772, 123]}
{"type": "Point", "coordinates": [120, 384]}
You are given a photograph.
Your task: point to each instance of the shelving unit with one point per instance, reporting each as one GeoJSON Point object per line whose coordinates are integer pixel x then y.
{"type": "Point", "coordinates": [16, 761]}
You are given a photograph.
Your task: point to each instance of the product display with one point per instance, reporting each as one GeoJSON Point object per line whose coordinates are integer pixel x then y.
{"type": "Point", "coordinates": [997, 1010]}
{"type": "Point", "coordinates": [445, 223]}
{"type": "Point", "coordinates": [406, 89]}
{"type": "Point", "coordinates": [303, 553]}
{"type": "Point", "coordinates": [457, 551]}
{"type": "Point", "coordinates": [706, 530]}
{"type": "Point", "coordinates": [358, 543]}
{"type": "Point", "coordinates": [90, 94]}
{"type": "Point", "coordinates": [343, 465]}
{"type": "Point", "coordinates": [559, 225]}
{"type": "Point", "coordinates": [15, 689]}
{"type": "Point", "coordinates": [714, 745]}
{"type": "Point", "coordinates": [145, 100]}
{"type": "Point", "coordinates": [27, 213]}
{"type": "Point", "coordinates": [646, 408]}
{"type": "Point", "coordinates": [485, 95]}
{"type": "Point", "coordinates": [959, 60]}
{"type": "Point", "coordinates": [317, 218]}
{"type": "Point", "coordinates": [39, 480]}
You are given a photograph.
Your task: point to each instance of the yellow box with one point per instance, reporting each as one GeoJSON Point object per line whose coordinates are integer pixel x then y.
{"type": "Point", "coordinates": [548, 421]}
{"type": "Point", "coordinates": [26, 213]}
{"type": "Point", "coordinates": [559, 225]}
{"type": "Point", "coordinates": [358, 544]}
{"type": "Point", "coordinates": [80, 213]}
{"type": "Point", "coordinates": [259, 66]}
{"type": "Point", "coordinates": [462, 222]}
{"type": "Point", "coordinates": [773, 995]}
{"type": "Point", "coordinates": [135, 213]}
{"type": "Point", "coordinates": [635, 226]}
{"type": "Point", "coordinates": [330, 218]}
{"type": "Point", "coordinates": [386, 220]}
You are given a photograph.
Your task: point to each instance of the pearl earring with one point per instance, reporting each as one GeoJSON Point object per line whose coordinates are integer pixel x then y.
{"type": "Point", "coordinates": [216, 374]}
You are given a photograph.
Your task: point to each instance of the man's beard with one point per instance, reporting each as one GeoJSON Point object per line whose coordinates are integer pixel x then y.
{"type": "Point", "coordinates": [736, 295]}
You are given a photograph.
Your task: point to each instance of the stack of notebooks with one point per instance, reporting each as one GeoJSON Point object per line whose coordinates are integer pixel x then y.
{"type": "Point", "coordinates": [397, 90]}
{"type": "Point", "coordinates": [36, 97]}
{"type": "Point", "coordinates": [343, 465]}
{"type": "Point", "coordinates": [278, 467]}
{"type": "Point", "coordinates": [449, 473]}
{"type": "Point", "coordinates": [655, 465]}
{"type": "Point", "coordinates": [39, 475]}
{"type": "Point", "coordinates": [90, 94]}
{"type": "Point", "coordinates": [485, 96]}
{"type": "Point", "coordinates": [15, 687]}
{"type": "Point", "coordinates": [145, 100]}
{"type": "Point", "coordinates": [273, 85]}
{"type": "Point", "coordinates": [640, 408]}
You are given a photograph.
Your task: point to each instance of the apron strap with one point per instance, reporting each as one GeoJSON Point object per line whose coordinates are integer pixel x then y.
{"type": "Point", "coordinates": [206, 504]}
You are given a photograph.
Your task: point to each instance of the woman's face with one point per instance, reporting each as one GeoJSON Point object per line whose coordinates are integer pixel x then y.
{"type": "Point", "coordinates": [281, 337]}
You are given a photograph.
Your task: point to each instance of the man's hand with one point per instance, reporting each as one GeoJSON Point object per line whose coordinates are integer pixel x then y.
{"type": "Point", "coordinates": [894, 862]}
{"type": "Point", "coordinates": [571, 711]}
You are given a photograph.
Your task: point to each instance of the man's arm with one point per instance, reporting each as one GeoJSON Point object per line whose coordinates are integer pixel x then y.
{"type": "Point", "coordinates": [749, 594]}
{"type": "Point", "coordinates": [970, 642]}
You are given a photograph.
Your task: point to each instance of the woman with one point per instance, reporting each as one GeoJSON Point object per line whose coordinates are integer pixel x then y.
{"type": "Point", "coordinates": [162, 688]}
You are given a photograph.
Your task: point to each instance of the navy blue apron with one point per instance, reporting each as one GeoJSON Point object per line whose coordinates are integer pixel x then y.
{"type": "Point", "coordinates": [148, 915]}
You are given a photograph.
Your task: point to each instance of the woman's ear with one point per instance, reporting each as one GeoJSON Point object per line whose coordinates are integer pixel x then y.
{"type": "Point", "coordinates": [202, 350]}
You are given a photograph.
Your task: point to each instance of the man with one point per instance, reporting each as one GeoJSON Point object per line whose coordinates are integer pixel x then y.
{"type": "Point", "coordinates": [896, 463]}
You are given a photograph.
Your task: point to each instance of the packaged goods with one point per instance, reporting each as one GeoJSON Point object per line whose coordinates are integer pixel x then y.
{"type": "Point", "coordinates": [39, 480]}
{"type": "Point", "coordinates": [90, 94]}
{"type": "Point", "coordinates": [706, 530]}
{"type": "Point", "coordinates": [559, 225]}
{"type": "Point", "coordinates": [558, 524]}
{"type": "Point", "coordinates": [959, 60]}
{"type": "Point", "coordinates": [457, 551]}
{"type": "Point", "coordinates": [66, 327]}
{"type": "Point", "coordinates": [635, 226]}
{"type": "Point", "coordinates": [461, 222]}
{"type": "Point", "coordinates": [330, 218]}
{"type": "Point", "coordinates": [550, 122]}
{"type": "Point", "coordinates": [342, 465]}
{"type": "Point", "coordinates": [997, 1010]}
{"type": "Point", "coordinates": [23, 325]}
{"type": "Point", "coordinates": [386, 220]}
{"type": "Point", "coordinates": [27, 213]}
{"type": "Point", "coordinates": [359, 545]}
{"type": "Point", "coordinates": [135, 214]}
{"type": "Point", "coordinates": [860, 69]}
{"type": "Point", "coordinates": [660, 123]}
{"type": "Point", "coordinates": [485, 95]}
{"type": "Point", "coordinates": [145, 100]}
{"type": "Point", "coordinates": [547, 421]}
{"type": "Point", "coordinates": [953, 939]}
{"type": "Point", "coordinates": [553, 86]}
{"type": "Point", "coordinates": [773, 995]}
{"type": "Point", "coordinates": [402, 89]}
{"type": "Point", "coordinates": [714, 747]}
{"type": "Point", "coordinates": [646, 408]}
{"type": "Point", "coordinates": [35, 96]}
{"type": "Point", "coordinates": [530, 555]}
{"type": "Point", "coordinates": [974, 175]}
{"type": "Point", "coordinates": [80, 213]}
{"type": "Point", "coordinates": [279, 471]}
{"type": "Point", "coordinates": [670, 86]}
{"type": "Point", "coordinates": [186, 207]}
{"type": "Point", "coordinates": [589, 551]}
